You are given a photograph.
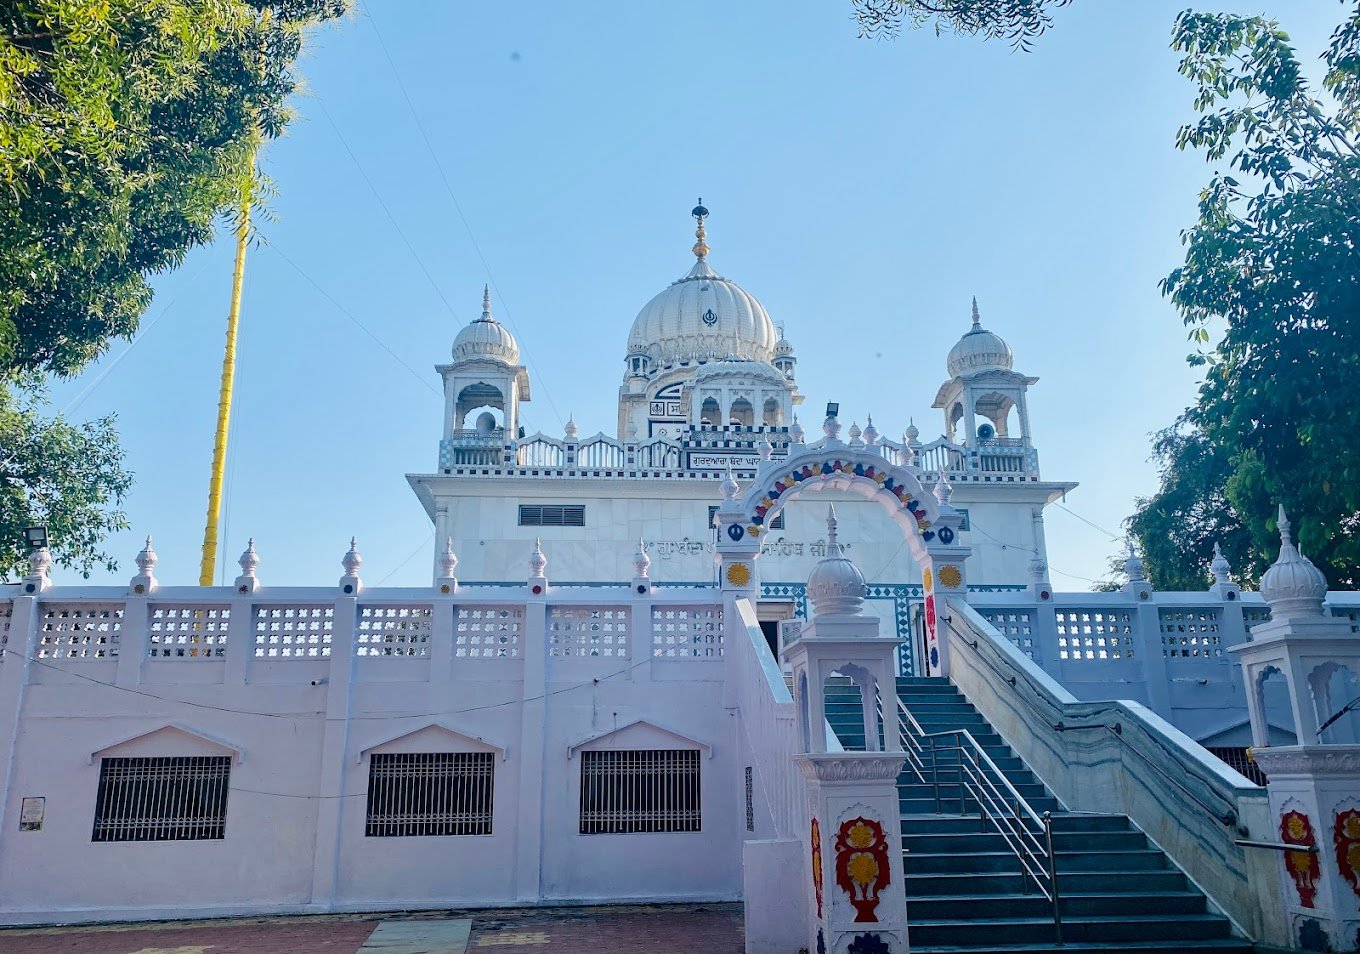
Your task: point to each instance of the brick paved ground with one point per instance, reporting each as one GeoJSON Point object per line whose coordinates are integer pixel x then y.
{"type": "Point", "coordinates": [661, 929]}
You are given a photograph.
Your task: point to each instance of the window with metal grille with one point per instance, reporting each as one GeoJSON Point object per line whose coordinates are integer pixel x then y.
{"type": "Point", "coordinates": [552, 515]}
{"type": "Point", "coordinates": [177, 798]}
{"type": "Point", "coordinates": [430, 793]}
{"type": "Point", "coordinates": [639, 790]}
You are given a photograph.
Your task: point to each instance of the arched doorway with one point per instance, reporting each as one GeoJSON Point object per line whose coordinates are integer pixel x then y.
{"type": "Point", "coordinates": [929, 526]}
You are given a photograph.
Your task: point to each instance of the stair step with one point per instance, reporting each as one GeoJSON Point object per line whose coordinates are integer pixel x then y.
{"type": "Point", "coordinates": [1216, 946]}
{"type": "Point", "coordinates": [991, 840]}
{"type": "Point", "coordinates": [1130, 927]}
{"type": "Point", "coordinates": [940, 824]}
{"type": "Point", "coordinates": [1069, 862]}
{"type": "Point", "coordinates": [956, 884]}
{"type": "Point", "coordinates": [926, 806]}
{"type": "Point", "coordinates": [1035, 905]}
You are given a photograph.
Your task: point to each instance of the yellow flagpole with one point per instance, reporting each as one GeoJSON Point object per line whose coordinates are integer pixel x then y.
{"type": "Point", "coordinates": [206, 567]}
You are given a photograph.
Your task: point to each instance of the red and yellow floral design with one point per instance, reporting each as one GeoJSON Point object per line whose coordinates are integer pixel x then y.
{"type": "Point", "coordinates": [862, 870]}
{"type": "Point", "coordinates": [1303, 867]}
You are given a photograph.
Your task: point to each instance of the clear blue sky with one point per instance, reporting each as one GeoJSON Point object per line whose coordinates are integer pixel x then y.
{"type": "Point", "coordinates": [863, 191]}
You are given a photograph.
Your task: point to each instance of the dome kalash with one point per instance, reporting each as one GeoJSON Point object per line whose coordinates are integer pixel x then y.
{"type": "Point", "coordinates": [703, 317]}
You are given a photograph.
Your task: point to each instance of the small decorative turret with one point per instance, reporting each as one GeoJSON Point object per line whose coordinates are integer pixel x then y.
{"type": "Point", "coordinates": [641, 565]}
{"type": "Point", "coordinates": [944, 491]}
{"type": "Point", "coordinates": [1223, 586]}
{"type": "Point", "coordinates": [831, 427]}
{"type": "Point", "coordinates": [796, 434]}
{"type": "Point", "coordinates": [250, 560]}
{"type": "Point", "coordinates": [351, 561]}
{"type": "Point", "coordinates": [1293, 586]}
{"type": "Point", "coordinates": [448, 569]}
{"type": "Point", "coordinates": [1135, 576]}
{"type": "Point", "coordinates": [729, 487]}
{"type": "Point", "coordinates": [855, 433]}
{"type": "Point", "coordinates": [538, 563]}
{"type": "Point", "coordinates": [145, 580]}
{"type": "Point", "coordinates": [870, 433]}
{"type": "Point", "coordinates": [835, 586]}
{"type": "Point", "coordinates": [570, 430]}
{"type": "Point", "coordinates": [912, 434]}
{"type": "Point", "coordinates": [766, 448]}
{"type": "Point", "coordinates": [1219, 567]}
{"type": "Point", "coordinates": [39, 570]}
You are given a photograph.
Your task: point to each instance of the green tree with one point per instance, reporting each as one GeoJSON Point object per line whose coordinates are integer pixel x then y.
{"type": "Point", "coordinates": [127, 130]}
{"type": "Point", "coordinates": [1019, 21]}
{"type": "Point", "coordinates": [1270, 290]}
{"type": "Point", "coordinates": [67, 477]}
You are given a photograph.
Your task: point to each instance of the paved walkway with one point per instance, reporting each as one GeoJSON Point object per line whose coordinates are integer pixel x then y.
{"type": "Point", "coordinates": [660, 929]}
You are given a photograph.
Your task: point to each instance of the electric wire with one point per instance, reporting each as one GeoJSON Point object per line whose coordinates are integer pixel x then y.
{"type": "Point", "coordinates": [350, 315]}
{"type": "Point", "coordinates": [390, 217]}
{"type": "Point", "coordinates": [142, 332]}
{"type": "Point", "coordinates": [502, 303]}
{"type": "Point", "coordinates": [403, 563]}
{"type": "Point", "coordinates": [309, 715]}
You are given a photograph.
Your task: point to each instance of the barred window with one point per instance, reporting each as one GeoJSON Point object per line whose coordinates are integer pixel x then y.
{"type": "Point", "coordinates": [430, 793]}
{"type": "Point", "coordinates": [642, 790]}
{"type": "Point", "coordinates": [552, 515]}
{"type": "Point", "coordinates": [178, 798]}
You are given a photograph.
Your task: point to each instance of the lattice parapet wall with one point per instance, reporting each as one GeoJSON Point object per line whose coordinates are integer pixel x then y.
{"type": "Point", "coordinates": [293, 632]}
{"type": "Point", "coordinates": [394, 630]}
{"type": "Point", "coordinates": [687, 632]}
{"type": "Point", "coordinates": [588, 631]}
{"type": "Point", "coordinates": [1088, 634]}
{"type": "Point", "coordinates": [1190, 633]}
{"type": "Point", "coordinates": [187, 632]}
{"type": "Point", "coordinates": [1017, 625]}
{"type": "Point", "coordinates": [1348, 613]}
{"type": "Point", "coordinates": [487, 632]}
{"type": "Point", "coordinates": [80, 630]}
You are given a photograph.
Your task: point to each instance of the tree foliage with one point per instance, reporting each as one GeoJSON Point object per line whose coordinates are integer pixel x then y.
{"type": "Point", "coordinates": [1270, 290]}
{"type": "Point", "coordinates": [1018, 21]}
{"type": "Point", "coordinates": [127, 128]}
{"type": "Point", "coordinates": [67, 477]}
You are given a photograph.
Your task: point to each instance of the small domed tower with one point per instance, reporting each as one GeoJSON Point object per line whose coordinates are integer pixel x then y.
{"type": "Point", "coordinates": [483, 387]}
{"type": "Point", "coordinates": [784, 361]}
{"type": "Point", "coordinates": [984, 384]}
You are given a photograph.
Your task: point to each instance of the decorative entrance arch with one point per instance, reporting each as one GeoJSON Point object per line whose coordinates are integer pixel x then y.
{"type": "Point", "coordinates": [928, 522]}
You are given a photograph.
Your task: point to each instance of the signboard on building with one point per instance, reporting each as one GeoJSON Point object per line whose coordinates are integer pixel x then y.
{"type": "Point", "coordinates": [31, 811]}
{"type": "Point", "coordinates": [720, 459]}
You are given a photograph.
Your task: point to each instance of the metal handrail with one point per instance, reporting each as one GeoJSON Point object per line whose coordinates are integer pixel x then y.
{"type": "Point", "coordinates": [1001, 805]}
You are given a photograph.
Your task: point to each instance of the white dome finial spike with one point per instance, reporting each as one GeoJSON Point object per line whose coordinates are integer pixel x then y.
{"type": "Point", "coordinates": [977, 319]}
{"type": "Point", "coordinates": [486, 302]}
{"type": "Point", "coordinates": [832, 547]}
{"type": "Point", "coordinates": [700, 234]}
{"type": "Point", "coordinates": [1286, 538]}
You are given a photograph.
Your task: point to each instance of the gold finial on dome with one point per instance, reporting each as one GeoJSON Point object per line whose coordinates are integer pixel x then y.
{"type": "Point", "coordinates": [700, 247]}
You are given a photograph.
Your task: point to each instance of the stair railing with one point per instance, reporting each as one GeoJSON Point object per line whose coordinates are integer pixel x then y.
{"type": "Point", "coordinates": [1025, 831]}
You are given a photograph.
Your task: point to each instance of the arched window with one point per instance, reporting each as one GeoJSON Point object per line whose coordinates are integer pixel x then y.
{"type": "Point", "coordinates": [742, 414]}
{"type": "Point", "coordinates": [480, 408]}
{"type": "Point", "coordinates": [710, 413]}
{"type": "Point", "coordinates": [773, 415]}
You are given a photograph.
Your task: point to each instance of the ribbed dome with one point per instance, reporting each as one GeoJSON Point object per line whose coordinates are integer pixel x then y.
{"type": "Point", "coordinates": [486, 338]}
{"type": "Point", "coordinates": [701, 317]}
{"type": "Point", "coordinates": [1293, 586]}
{"type": "Point", "coordinates": [783, 347]}
{"type": "Point", "coordinates": [835, 586]}
{"type": "Point", "coordinates": [979, 350]}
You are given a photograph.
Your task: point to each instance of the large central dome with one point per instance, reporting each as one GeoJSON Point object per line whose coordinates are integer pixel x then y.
{"type": "Point", "coordinates": [701, 317]}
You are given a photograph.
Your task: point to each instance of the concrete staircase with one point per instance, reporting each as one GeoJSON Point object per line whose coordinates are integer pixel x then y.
{"type": "Point", "coordinates": [965, 892]}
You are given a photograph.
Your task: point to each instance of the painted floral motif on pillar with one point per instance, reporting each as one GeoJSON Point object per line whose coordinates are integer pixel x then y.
{"type": "Point", "coordinates": [1303, 866]}
{"type": "Point", "coordinates": [862, 870]}
{"type": "Point", "coordinates": [1346, 835]}
{"type": "Point", "coordinates": [817, 864]}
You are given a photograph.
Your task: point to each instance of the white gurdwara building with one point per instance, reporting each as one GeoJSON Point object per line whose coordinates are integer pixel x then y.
{"type": "Point", "coordinates": [710, 385]}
